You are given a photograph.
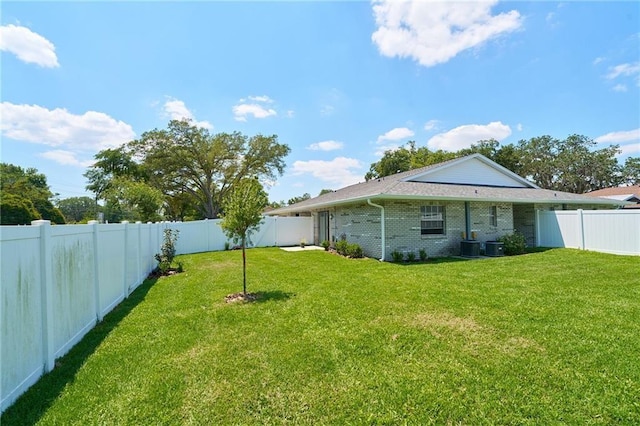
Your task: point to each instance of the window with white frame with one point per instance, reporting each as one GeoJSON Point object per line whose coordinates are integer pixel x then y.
{"type": "Point", "coordinates": [493, 216]}
{"type": "Point", "coordinates": [432, 221]}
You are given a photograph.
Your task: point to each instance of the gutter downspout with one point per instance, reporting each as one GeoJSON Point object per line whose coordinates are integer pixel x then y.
{"type": "Point", "coordinates": [382, 236]}
{"type": "Point", "coordinates": [467, 221]}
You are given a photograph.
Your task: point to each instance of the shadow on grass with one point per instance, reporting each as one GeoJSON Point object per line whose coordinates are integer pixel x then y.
{"type": "Point", "coordinates": [34, 403]}
{"type": "Point", "coordinates": [435, 261]}
{"type": "Point", "coordinates": [538, 249]}
{"type": "Point", "coordinates": [275, 295]}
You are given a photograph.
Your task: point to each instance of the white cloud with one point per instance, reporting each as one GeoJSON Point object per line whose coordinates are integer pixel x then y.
{"type": "Point", "coordinates": [66, 158]}
{"type": "Point", "coordinates": [625, 70]}
{"type": "Point", "coordinates": [431, 125]}
{"type": "Point", "coordinates": [340, 171]}
{"type": "Point", "coordinates": [519, 127]}
{"type": "Point", "coordinates": [28, 46]}
{"type": "Point", "coordinates": [264, 99]}
{"type": "Point", "coordinates": [396, 134]}
{"type": "Point", "coordinates": [255, 106]}
{"type": "Point", "coordinates": [290, 113]}
{"type": "Point", "coordinates": [381, 149]}
{"type": "Point", "coordinates": [463, 136]}
{"type": "Point", "coordinates": [327, 110]}
{"type": "Point", "coordinates": [432, 33]}
{"type": "Point", "coordinates": [618, 137]}
{"type": "Point", "coordinates": [619, 88]}
{"type": "Point", "coordinates": [597, 60]}
{"type": "Point", "coordinates": [90, 132]}
{"type": "Point", "coordinates": [630, 149]}
{"type": "Point", "coordinates": [177, 110]}
{"type": "Point", "coordinates": [326, 146]}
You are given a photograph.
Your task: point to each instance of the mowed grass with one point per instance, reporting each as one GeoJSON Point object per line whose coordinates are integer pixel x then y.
{"type": "Point", "coordinates": [545, 338]}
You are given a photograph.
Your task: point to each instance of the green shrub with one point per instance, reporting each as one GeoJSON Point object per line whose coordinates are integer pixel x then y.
{"type": "Point", "coordinates": [423, 254]}
{"type": "Point", "coordinates": [342, 247]}
{"type": "Point", "coordinates": [326, 245]}
{"type": "Point", "coordinates": [354, 250]}
{"type": "Point", "coordinates": [411, 256]}
{"type": "Point", "coordinates": [514, 243]}
{"type": "Point", "coordinates": [397, 256]}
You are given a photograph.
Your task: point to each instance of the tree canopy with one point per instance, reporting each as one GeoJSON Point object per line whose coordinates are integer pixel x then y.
{"type": "Point", "coordinates": [30, 192]}
{"type": "Point", "coordinates": [193, 169]}
{"type": "Point", "coordinates": [77, 209]}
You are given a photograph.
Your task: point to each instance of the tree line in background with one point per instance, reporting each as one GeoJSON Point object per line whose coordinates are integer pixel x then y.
{"type": "Point", "coordinates": [571, 165]}
{"type": "Point", "coordinates": [184, 173]}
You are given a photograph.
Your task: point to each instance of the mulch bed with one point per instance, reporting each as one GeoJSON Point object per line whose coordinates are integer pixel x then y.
{"type": "Point", "coordinates": [241, 297]}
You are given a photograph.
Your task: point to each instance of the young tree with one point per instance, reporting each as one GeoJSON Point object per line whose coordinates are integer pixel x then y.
{"type": "Point", "coordinates": [243, 208]}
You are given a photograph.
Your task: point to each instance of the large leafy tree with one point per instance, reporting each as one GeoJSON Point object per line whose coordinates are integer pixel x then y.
{"type": "Point", "coordinates": [631, 171]}
{"type": "Point", "coordinates": [186, 159]}
{"type": "Point", "coordinates": [111, 164]}
{"type": "Point", "coordinates": [134, 201]}
{"type": "Point", "coordinates": [77, 209]}
{"type": "Point", "coordinates": [243, 207]}
{"type": "Point", "coordinates": [572, 164]}
{"type": "Point", "coordinates": [29, 185]}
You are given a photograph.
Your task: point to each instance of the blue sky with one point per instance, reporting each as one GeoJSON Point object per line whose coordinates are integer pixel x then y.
{"type": "Point", "coordinates": [339, 82]}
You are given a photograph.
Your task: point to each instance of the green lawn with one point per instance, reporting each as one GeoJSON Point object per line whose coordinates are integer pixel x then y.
{"type": "Point", "coordinates": [545, 338]}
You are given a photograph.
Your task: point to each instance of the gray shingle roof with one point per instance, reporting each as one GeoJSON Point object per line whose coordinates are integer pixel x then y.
{"type": "Point", "coordinates": [397, 187]}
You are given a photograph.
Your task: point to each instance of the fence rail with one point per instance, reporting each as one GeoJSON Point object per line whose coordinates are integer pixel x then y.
{"type": "Point", "coordinates": [57, 282]}
{"type": "Point", "coordinates": [607, 231]}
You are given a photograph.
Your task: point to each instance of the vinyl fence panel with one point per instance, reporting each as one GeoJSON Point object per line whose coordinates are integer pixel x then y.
{"type": "Point", "coordinates": [22, 345]}
{"type": "Point", "coordinates": [73, 285]}
{"type": "Point", "coordinates": [58, 281]}
{"type": "Point", "coordinates": [607, 231]}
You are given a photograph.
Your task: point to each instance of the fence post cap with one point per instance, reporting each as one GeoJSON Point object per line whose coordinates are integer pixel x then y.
{"type": "Point", "coordinates": [40, 222]}
{"type": "Point", "coordinates": [92, 222]}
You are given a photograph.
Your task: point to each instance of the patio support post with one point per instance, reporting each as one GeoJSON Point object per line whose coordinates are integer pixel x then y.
{"type": "Point", "coordinates": [382, 227]}
{"type": "Point", "coordinates": [467, 220]}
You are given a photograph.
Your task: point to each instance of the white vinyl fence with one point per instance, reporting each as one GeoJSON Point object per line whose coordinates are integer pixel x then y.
{"type": "Point", "coordinates": [607, 231]}
{"type": "Point", "coordinates": [58, 281]}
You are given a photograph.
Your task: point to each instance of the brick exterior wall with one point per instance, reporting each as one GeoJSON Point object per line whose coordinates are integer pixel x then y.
{"type": "Point", "coordinates": [360, 223]}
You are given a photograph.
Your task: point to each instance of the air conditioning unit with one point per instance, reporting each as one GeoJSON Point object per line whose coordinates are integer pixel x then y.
{"type": "Point", "coordinates": [470, 248]}
{"type": "Point", "coordinates": [494, 248]}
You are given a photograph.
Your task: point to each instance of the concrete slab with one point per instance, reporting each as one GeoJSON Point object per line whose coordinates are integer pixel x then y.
{"type": "Point", "coordinates": [305, 248]}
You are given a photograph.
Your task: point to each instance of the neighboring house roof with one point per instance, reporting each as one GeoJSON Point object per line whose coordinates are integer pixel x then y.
{"type": "Point", "coordinates": [620, 193]}
{"type": "Point", "coordinates": [470, 178]}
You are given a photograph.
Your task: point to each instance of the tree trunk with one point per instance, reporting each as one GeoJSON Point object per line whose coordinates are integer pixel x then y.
{"type": "Point", "coordinates": [244, 269]}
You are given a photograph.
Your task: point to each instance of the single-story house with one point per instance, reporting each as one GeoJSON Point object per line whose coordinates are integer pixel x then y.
{"type": "Point", "coordinates": [620, 193]}
{"type": "Point", "coordinates": [435, 208]}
